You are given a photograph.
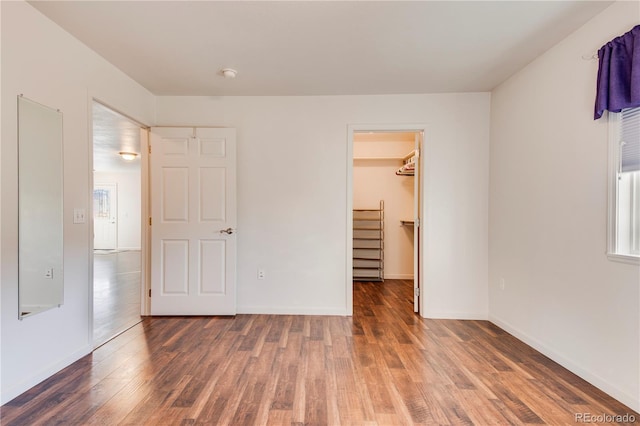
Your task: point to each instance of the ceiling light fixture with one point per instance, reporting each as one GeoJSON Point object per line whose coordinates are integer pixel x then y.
{"type": "Point", "coordinates": [229, 73]}
{"type": "Point", "coordinates": [129, 156]}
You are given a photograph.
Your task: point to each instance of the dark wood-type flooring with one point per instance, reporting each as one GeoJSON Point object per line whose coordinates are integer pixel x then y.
{"type": "Point", "coordinates": [116, 293]}
{"type": "Point", "coordinates": [383, 366]}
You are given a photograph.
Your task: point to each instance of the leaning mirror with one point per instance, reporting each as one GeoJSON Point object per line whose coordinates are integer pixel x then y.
{"type": "Point", "coordinates": [40, 192]}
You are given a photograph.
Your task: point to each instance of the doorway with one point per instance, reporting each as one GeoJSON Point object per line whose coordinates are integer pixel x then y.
{"type": "Point", "coordinates": [385, 170]}
{"type": "Point", "coordinates": [117, 212]}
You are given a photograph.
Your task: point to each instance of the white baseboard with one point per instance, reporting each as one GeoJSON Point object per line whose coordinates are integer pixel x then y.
{"type": "Point", "coordinates": [631, 401]}
{"type": "Point", "coordinates": [289, 310]}
{"type": "Point", "coordinates": [398, 276]}
{"type": "Point", "coordinates": [29, 382]}
{"type": "Point", "coordinates": [477, 316]}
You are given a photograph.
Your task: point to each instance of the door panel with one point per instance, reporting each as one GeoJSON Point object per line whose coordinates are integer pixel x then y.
{"type": "Point", "coordinates": [212, 261]}
{"type": "Point", "coordinates": [212, 194]}
{"type": "Point", "coordinates": [193, 179]}
{"type": "Point", "coordinates": [175, 185]}
{"type": "Point", "coordinates": [175, 259]}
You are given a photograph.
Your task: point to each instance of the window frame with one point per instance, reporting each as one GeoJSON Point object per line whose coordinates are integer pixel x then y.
{"type": "Point", "coordinates": [612, 214]}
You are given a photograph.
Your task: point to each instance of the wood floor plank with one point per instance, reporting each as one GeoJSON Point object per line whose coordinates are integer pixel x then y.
{"type": "Point", "coordinates": [350, 404]}
{"type": "Point", "coordinates": [454, 410]}
{"type": "Point", "coordinates": [333, 411]}
{"type": "Point", "coordinates": [116, 292]}
{"type": "Point", "coordinates": [81, 409]}
{"type": "Point", "coordinates": [481, 411]}
{"type": "Point", "coordinates": [279, 418]}
{"type": "Point", "coordinates": [121, 404]}
{"type": "Point", "coordinates": [411, 397]}
{"type": "Point", "coordinates": [548, 406]}
{"type": "Point", "coordinates": [220, 401]}
{"type": "Point", "coordinates": [383, 366]}
{"type": "Point", "coordinates": [378, 391]}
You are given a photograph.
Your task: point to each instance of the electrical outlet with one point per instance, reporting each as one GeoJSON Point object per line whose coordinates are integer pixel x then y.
{"type": "Point", "coordinates": [48, 273]}
{"type": "Point", "coordinates": [501, 283]}
{"type": "Point", "coordinates": [261, 274]}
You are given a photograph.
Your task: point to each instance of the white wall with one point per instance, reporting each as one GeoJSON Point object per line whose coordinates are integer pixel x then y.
{"type": "Point", "coordinates": [47, 65]}
{"type": "Point", "coordinates": [375, 180]}
{"type": "Point", "coordinates": [292, 195]}
{"type": "Point", "coordinates": [548, 219]}
{"type": "Point", "coordinates": [129, 206]}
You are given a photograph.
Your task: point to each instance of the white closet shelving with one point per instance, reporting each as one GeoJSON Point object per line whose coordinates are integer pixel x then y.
{"type": "Point", "coordinates": [368, 244]}
{"type": "Point", "coordinates": [408, 165]}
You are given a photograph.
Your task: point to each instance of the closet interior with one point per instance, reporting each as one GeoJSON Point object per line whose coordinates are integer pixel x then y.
{"type": "Point", "coordinates": [383, 205]}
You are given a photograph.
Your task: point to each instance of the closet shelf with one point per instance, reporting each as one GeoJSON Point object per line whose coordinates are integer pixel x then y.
{"type": "Point", "coordinates": [409, 156]}
{"type": "Point", "coordinates": [408, 165]}
{"type": "Point", "coordinates": [401, 172]}
{"type": "Point", "coordinates": [368, 244]}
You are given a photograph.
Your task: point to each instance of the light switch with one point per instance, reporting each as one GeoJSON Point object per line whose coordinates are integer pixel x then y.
{"type": "Point", "coordinates": [79, 216]}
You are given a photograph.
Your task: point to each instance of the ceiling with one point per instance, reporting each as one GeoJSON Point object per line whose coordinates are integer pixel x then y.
{"type": "Point", "coordinates": [320, 47]}
{"type": "Point", "coordinates": [113, 133]}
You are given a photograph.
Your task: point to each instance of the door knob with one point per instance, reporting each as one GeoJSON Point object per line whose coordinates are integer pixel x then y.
{"type": "Point", "coordinates": [227, 231]}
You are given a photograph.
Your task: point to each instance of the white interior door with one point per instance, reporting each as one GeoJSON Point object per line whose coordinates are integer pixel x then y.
{"type": "Point", "coordinates": [193, 210]}
{"type": "Point", "coordinates": [105, 216]}
{"type": "Point", "coordinates": [416, 224]}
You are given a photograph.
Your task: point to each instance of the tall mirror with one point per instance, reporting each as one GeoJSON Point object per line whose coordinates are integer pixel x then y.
{"type": "Point", "coordinates": [40, 192]}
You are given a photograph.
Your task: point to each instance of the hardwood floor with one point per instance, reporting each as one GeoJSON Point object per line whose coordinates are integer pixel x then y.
{"type": "Point", "coordinates": [383, 366]}
{"type": "Point", "coordinates": [116, 293]}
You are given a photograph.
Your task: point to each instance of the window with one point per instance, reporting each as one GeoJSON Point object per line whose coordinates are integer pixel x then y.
{"type": "Point", "coordinates": [624, 194]}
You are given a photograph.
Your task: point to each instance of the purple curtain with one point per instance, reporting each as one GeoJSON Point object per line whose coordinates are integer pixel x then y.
{"type": "Point", "coordinates": [618, 84]}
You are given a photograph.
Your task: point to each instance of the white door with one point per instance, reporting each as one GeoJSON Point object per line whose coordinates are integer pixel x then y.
{"type": "Point", "coordinates": [416, 224]}
{"type": "Point", "coordinates": [193, 213]}
{"type": "Point", "coordinates": [105, 216]}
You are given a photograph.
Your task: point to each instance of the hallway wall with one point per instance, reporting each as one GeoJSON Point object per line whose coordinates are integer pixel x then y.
{"type": "Point", "coordinates": [48, 65]}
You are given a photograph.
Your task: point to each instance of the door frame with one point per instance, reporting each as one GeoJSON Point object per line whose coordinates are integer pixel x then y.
{"type": "Point", "coordinates": [144, 213]}
{"type": "Point", "coordinates": [380, 128]}
{"type": "Point", "coordinates": [145, 238]}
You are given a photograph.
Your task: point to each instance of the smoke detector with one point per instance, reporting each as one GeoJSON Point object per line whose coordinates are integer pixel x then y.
{"type": "Point", "coordinates": [229, 73]}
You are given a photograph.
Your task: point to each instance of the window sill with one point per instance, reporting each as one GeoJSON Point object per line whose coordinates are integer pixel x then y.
{"type": "Point", "coordinates": [624, 258]}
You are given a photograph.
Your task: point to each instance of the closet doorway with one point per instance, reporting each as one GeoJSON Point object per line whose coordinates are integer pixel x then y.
{"type": "Point", "coordinates": [117, 213]}
{"type": "Point", "coordinates": [385, 199]}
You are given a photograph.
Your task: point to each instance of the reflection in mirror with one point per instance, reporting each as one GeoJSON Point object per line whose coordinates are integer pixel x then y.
{"type": "Point", "coordinates": [40, 192]}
